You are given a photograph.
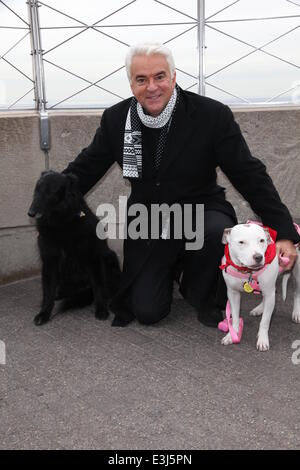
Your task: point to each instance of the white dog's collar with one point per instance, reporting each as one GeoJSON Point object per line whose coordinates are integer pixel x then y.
{"type": "Point", "coordinates": [251, 284]}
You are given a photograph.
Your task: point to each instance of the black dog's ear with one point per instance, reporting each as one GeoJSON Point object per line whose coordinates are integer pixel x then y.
{"type": "Point", "coordinates": [47, 172]}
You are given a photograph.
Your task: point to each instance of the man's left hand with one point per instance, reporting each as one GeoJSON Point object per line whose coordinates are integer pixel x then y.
{"type": "Point", "coordinates": [286, 248]}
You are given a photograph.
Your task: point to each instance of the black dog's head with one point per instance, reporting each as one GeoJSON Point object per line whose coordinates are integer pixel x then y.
{"type": "Point", "coordinates": [53, 195]}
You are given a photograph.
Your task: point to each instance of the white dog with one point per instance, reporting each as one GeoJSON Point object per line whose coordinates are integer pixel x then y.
{"type": "Point", "coordinates": [244, 269]}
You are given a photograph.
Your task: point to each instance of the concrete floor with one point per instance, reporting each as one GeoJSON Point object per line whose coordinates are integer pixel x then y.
{"type": "Point", "coordinates": [78, 383]}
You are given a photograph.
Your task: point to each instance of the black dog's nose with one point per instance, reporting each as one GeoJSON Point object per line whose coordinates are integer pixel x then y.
{"type": "Point", "coordinates": [31, 212]}
{"type": "Point", "coordinates": [258, 258]}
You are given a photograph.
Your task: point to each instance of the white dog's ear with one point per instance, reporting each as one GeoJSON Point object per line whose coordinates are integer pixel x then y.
{"type": "Point", "coordinates": [269, 239]}
{"type": "Point", "coordinates": [226, 234]}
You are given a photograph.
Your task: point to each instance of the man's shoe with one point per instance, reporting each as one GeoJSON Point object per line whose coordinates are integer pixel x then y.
{"type": "Point", "coordinates": [123, 315]}
{"type": "Point", "coordinates": [210, 315]}
{"type": "Point", "coordinates": [119, 321]}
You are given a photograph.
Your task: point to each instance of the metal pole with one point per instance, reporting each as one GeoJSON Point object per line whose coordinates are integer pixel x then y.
{"type": "Point", "coordinates": [38, 74]}
{"type": "Point", "coordinates": [201, 46]}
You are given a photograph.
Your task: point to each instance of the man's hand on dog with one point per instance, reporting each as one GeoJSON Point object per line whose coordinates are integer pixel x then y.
{"type": "Point", "coordinates": [287, 249]}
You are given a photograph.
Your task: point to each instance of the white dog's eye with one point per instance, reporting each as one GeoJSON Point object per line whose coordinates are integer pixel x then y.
{"type": "Point", "coordinates": [262, 240]}
{"type": "Point", "coordinates": [241, 242]}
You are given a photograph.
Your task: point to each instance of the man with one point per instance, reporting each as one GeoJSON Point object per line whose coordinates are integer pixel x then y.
{"type": "Point", "coordinates": [168, 143]}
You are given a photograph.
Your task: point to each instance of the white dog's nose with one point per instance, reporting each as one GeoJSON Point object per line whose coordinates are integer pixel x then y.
{"type": "Point", "coordinates": [257, 257]}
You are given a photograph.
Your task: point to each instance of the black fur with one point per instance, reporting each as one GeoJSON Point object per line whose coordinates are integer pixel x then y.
{"type": "Point", "coordinates": [76, 265]}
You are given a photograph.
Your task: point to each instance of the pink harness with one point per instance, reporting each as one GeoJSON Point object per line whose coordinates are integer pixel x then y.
{"type": "Point", "coordinates": [252, 280]}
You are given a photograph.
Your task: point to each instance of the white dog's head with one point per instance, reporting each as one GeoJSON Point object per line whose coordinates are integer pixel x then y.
{"type": "Point", "coordinates": [247, 244]}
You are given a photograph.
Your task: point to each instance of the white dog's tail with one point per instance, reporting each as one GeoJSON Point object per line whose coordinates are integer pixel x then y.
{"type": "Point", "coordinates": [285, 278]}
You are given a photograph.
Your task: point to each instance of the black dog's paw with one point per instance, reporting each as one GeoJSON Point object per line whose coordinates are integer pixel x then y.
{"type": "Point", "coordinates": [41, 318]}
{"type": "Point", "coordinates": [101, 314]}
{"type": "Point", "coordinates": [117, 321]}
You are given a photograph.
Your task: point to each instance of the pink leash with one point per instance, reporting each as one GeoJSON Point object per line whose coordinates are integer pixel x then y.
{"type": "Point", "coordinates": [226, 325]}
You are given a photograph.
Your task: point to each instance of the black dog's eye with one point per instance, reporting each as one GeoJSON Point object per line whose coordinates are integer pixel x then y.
{"type": "Point", "coordinates": [56, 195]}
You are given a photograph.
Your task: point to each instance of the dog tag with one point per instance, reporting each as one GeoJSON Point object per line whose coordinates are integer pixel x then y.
{"type": "Point", "coordinates": [248, 288]}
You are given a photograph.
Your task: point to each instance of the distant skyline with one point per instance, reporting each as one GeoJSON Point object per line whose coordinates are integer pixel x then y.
{"type": "Point", "coordinates": [92, 55]}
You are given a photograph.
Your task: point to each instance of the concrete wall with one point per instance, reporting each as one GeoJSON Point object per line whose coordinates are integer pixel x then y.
{"type": "Point", "coordinates": [273, 135]}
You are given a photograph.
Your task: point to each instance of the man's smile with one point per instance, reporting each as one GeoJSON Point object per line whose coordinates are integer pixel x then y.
{"type": "Point", "coordinates": [153, 98]}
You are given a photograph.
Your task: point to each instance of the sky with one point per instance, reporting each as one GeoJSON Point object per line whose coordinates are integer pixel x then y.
{"type": "Point", "coordinates": [97, 54]}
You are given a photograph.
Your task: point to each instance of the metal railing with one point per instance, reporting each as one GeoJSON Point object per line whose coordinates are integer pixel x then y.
{"type": "Point", "coordinates": [198, 23]}
{"type": "Point", "coordinates": [21, 24]}
{"type": "Point", "coordinates": [208, 24]}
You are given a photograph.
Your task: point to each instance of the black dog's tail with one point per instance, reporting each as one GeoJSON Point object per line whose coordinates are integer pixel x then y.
{"type": "Point", "coordinates": [79, 299]}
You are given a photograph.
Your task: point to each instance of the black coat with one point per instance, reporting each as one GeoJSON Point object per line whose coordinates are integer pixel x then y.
{"type": "Point", "coordinates": [202, 137]}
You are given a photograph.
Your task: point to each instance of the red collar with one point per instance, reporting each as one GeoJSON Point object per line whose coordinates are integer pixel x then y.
{"type": "Point", "coordinates": [269, 254]}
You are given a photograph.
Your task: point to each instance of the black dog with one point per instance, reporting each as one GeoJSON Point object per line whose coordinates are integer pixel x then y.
{"type": "Point", "coordinates": [75, 261]}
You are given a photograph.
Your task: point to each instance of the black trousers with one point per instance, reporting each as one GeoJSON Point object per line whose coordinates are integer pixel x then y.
{"type": "Point", "coordinates": [200, 279]}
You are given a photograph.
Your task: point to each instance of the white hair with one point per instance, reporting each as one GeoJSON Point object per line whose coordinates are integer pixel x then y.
{"type": "Point", "coordinates": [149, 49]}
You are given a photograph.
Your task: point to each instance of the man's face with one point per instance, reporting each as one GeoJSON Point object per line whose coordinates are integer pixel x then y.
{"type": "Point", "coordinates": [152, 84]}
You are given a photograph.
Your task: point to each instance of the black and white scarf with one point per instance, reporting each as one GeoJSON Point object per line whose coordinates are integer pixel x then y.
{"type": "Point", "coordinates": [132, 152]}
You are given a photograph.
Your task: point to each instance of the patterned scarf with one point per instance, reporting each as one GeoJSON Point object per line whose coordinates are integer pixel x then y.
{"type": "Point", "coordinates": [132, 153]}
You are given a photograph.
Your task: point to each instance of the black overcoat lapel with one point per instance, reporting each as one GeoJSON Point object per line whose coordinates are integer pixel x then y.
{"type": "Point", "coordinates": [181, 130]}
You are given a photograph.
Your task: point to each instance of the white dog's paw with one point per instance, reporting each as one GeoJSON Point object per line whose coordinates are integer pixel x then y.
{"type": "Point", "coordinates": [257, 311]}
{"type": "Point", "coordinates": [263, 342]}
{"type": "Point", "coordinates": [296, 316]}
{"type": "Point", "coordinates": [227, 339]}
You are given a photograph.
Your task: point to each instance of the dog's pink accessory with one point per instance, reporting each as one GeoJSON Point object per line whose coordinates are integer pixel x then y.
{"type": "Point", "coordinates": [226, 324]}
